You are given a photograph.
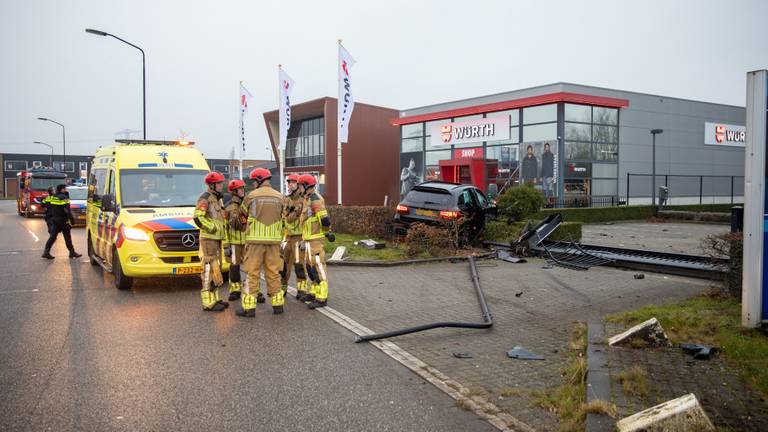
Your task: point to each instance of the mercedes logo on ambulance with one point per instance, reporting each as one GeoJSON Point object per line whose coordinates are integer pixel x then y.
{"type": "Point", "coordinates": [188, 240]}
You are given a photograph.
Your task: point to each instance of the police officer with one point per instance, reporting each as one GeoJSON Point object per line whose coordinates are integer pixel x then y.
{"type": "Point", "coordinates": [48, 209]}
{"type": "Point", "coordinates": [234, 241]}
{"type": "Point", "coordinates": [210, 218]}
{"type": "Point", "coordinates": [61, 221]}
{"type": "Point", "coordinates": [316, 225]}
{"type": "Point", "coordinates": [293, 251]}
{"type": "Point", "coordinates": [264, 207]}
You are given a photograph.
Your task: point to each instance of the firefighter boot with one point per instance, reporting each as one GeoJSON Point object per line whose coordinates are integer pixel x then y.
{"type": "Point", "coordinates": [278, 300]}
{"type": "Point", "coordinates": [209, 302]}
{"type": "Point", "coordinates": [321, 296]}
{"type": "Point", "coordinates": [218, 298]}
{"type": "Point", "coordinates": [301, 289]}
{"type": "Point", "coordinates": [260, 298]}
{"type": "Point", "coordinates": [234, 283]}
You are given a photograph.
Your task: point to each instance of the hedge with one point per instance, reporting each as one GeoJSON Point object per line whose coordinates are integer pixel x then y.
{"type": "Point", "coordinates": [501, 231]}
{"type": "Point", "coordinates": [373, 221]}
{"type": "Point", "coordinates": [607, 214]}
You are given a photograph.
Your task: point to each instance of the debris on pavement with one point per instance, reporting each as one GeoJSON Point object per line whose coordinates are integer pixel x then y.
{"type": "Point", "coordinates": [521, 353]}
{"type": "Point", "coordinates": [518, 294]}
{"type": "Point", "coordinates": [649, 332]}
{"type": "Point", "coordinates": [639, 276]}
{"type": "Point", "coordinates": [682, 414]}
{"type": "Point", "coordinates": [339, 253]}
{"type": "Point", "coordinates": [462, 355]}
{"type": "Point", "coordinates": [699, 352]}
{"type": "Point", "coordinates": [506, 256]}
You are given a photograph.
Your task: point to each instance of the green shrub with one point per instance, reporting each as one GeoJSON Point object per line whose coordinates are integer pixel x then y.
{"type": "Point", "coordinates": [639, 212]}
{"type": "Point", "coordinates": [520, 202]}
{"type": "Point", "coordinates": [503, 232]}
{"type": "Point", "coordinates": [371, 221]}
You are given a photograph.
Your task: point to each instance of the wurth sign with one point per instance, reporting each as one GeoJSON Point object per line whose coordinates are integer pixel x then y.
{"type": "Point", "coordinates": [721, 134]}
{"type": "Point", "coordinates": [471, 131]}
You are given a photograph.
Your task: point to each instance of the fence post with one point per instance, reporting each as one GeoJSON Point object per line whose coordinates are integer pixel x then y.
{"type": "Point", "coordinates": [731, 190]}
{"type": "Point", "coordinates": [701, 189]}
{"type": "Point", "coordinates": [627, 189]}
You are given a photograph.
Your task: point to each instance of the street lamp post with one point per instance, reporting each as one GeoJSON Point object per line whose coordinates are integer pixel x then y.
{"type": "Point", "coordinates": [143, 72]}
{"type": "Point", "coordinates": [63, 142]}
{"type": "Point", "coordinates": [50, 147]}
{"type": "Point", "coordinates": [654, 132]}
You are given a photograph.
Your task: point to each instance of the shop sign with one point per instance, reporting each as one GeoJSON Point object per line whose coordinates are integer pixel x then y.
{"type": "Point", "coordinates": [470, 131]}
{"type": "Point", "coordinates": [721, 134]}
{"type": "Point", "coordinates": [468, 152]}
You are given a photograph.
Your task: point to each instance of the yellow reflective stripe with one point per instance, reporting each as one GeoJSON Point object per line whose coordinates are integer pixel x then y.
{"type": "Point", "coordinates": [259, 231]}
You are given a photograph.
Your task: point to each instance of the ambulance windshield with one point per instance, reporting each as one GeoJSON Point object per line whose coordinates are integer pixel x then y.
{"type": "Point", "coordinates": [161, 187]}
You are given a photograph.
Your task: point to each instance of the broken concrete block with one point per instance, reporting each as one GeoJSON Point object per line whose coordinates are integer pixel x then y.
{"type": "Point", "coordinates": [683, 414]}
{"type": "Point", "coordinates": [339, 253]}
{"type": "Point", "coordinates": [649, 332]}
{"type": "Point", "coordinates": [371, 244]}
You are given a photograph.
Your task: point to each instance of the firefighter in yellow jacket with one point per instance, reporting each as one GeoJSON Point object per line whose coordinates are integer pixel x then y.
{"type": "Point", "coordinates": [210, 218]}
{"type": "Point", "coordinates": [264, 210]}
{"type": "Point", "coordinates": [293, 250]}
{"type": "Point", "coordinates": [234, 243]}
{"type": "Point", "coordinates": [316, 226]}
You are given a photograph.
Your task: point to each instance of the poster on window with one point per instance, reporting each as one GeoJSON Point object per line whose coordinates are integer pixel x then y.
{"type": "Point", "coordinates": [411, 171]}
{"type": "Point", "coordinates": [538, 166]}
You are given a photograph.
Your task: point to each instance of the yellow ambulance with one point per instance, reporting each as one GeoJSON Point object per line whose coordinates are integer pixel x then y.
{"type": "Point", "coordinates": [141, 197]}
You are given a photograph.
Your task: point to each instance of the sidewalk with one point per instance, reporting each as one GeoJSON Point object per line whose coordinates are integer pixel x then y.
{"type": "Point", "coordinates": [674, 237]}
{"type": "Point", "coordinates": [540, 319]}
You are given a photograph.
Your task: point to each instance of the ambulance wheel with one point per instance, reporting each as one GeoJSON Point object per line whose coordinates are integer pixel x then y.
{"type": "Point", "coordinates": [122, 282]}
{"type": "Point", "coordinates": [91, 255]}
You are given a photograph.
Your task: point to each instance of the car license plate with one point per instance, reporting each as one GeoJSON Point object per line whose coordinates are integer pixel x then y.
{"type": "Point", "coordinates": [81, 217]}
{"type": "Point", "coordinates": [188, 270]}
{"type": "Point", "coordinates": [430, 213]}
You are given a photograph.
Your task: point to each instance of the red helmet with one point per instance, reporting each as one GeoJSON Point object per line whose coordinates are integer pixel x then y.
{"type": "Point", "coordinates": [214, 177]}
{"type": "Point", "coordinates": [293, 177]}
{"type": "Point", "coordinates": [260, 174]}
{"type": "Point", "coordinates": [307, 180]}
{"type": "Point", "coordinates": [235, 184]}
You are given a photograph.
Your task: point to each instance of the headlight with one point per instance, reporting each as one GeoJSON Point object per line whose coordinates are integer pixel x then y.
{"type": "Point", "coordinates": [135, 234]}
{"type": "Point", "coordinates": [36, 199]}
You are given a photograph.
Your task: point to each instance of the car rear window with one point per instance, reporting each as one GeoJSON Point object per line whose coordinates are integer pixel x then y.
{"type": "Point", "coordinates": [417, 197]}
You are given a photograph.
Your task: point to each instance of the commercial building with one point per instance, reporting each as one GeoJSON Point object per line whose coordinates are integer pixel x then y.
{"type": "Point", "coordinates": [577, 144]}
{"type": "Point", "coordinates": [370, 157]}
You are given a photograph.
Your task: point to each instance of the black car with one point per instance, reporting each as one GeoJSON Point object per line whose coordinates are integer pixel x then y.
{"type": "Point", "coordinates": [434, 202]}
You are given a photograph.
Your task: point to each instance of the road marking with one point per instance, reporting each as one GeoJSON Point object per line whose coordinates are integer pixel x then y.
{"type": "Point", "coordinates": [478, 405]}
{"type": "Point", "coordinates": [19, 291]}
{"type": "Point", "coordinates": [37, 239]}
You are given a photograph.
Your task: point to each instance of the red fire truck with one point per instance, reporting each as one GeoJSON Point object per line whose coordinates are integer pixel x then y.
{"type": "Point", "coordinates": [33, 188]}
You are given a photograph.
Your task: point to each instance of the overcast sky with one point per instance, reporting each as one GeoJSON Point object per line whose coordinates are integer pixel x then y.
{"type": "Point", "coordinates": [409, 54]}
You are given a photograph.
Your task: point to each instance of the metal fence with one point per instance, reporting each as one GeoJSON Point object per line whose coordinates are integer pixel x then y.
{"type": "Point", "coordinates": [583, 201]}
{"type": "Point", "coordinates": [686, 189]}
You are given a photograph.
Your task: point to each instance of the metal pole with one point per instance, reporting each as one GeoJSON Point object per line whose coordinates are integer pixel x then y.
{"type": "Point", "coordinates": [653, 173]}
{"type": "Point", "coordinates": [701, 190]}
{"type": "Point", "coordinates": [731, 190]}
{"type": "Point", "coordinates": [627, 203]}
{"type": "Point", "coordinates": [338, 127]}
{"type": "Point", "coordinates": [144, 91]}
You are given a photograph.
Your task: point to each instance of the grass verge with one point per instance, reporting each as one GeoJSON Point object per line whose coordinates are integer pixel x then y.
{"type": "Point", "coordinates": [392, 251]}
{"type": "Point", "coordinates": [712, 321]}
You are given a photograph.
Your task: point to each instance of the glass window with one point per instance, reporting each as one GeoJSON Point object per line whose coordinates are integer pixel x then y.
{"type": "Point", "coordinates": [83, 166]}
{"type": "Point", "coordinates": [503, 154]}
{"type": "Point", "coordinates": [514, 137]}
{"type": "Point", "coordinates": [98, 182]}
{"type": "Point", "coordinates": [429, 125]}
{"type": "Point", "coordinates": [514, 116]}
{"type": "Point", "coordinates": [433, 157]}
{"type": "Point", "coordinates": [160, 188]}
{"type": "Point", "coordinates": [607, 152]}
{"type": "Point", "coordinates": [578, 132]}
{"type": "Point", "coordinates": [576, 186]}
{"type": "Point", "coordinates": [36, 164]}
{"type": "Point", "coordinates": [605, 133]}
{"type": "Point", "coordinates": [606, 116]}
{"type": "Point", "coordinates": [604, 187]}
{"type": "Point", "coordinates": [578, 113]}
{"type": "Point", "coordinates": [412, 130]}
{"type": "Point", "coordinates": [577, 151]}
{"type": "Point", "coordinates": [605, 170]}
{"type": "Point", "coordinates": [64, 167]}
{"type": "Point", "coordinates": [412, 144]}
{"type": "Point", "coordinates": [542, 132]}
{"type": "Point", "coordinates": [540, 114]}
{"type": "Point", "coordinates": [12, 165]}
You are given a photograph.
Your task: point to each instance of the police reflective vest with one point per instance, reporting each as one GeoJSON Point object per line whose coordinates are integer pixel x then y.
{"type": "Point", "coordinates": [315, 218]}
{"type": "Point", "coordinates": [209, 216]}
{"type": "Point", "coordinates": [235, 228]}
{"type": "Point", "coordinates": [264, 207]}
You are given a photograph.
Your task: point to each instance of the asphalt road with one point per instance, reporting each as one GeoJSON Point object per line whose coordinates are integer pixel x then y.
{"type": "Point", "coordinates": [76, 354]}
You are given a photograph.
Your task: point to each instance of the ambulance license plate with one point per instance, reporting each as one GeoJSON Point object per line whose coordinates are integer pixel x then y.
{"type": "Point", "coordinates": [188, 270]}
{"type": "Point", "coordinates": [81, 217]}
{"type": "Point", "coordinates": [429, 213]}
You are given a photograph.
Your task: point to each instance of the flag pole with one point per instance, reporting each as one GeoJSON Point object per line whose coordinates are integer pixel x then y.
{"type": "Point", "coordinates": [242, 131]}
{"type": "Point", "coordinates": [280, 151]}
{"type": "Point", "coordinates": [338, 124]}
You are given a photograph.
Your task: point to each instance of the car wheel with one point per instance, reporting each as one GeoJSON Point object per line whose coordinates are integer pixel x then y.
{"type": "Point", "coordinates": [122, 282]}
{"type": "Point", "coordinates": [91, 254]}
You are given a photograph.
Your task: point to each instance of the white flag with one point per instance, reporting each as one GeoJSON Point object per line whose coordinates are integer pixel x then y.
{"type": "Point", "coordinates": [245, 96]}
{"type": "Point", "coordinates": [346, 101]}
{"type": "Point", "coordinates": [286, 88]}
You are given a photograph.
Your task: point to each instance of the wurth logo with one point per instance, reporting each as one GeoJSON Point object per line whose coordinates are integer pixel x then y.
{"type": "Point", "coordinates": [243, 102]}
{"type": "Point", "coordinates": [719, 133]}
{"type": "Point", "coordinates": [344, 67]}
{"type": "Point", "coordinates": [286, 84]}
{"type": "Point", "coordinates": [446, 132]}
{"type": "Point", "coordinates": [723, 134]}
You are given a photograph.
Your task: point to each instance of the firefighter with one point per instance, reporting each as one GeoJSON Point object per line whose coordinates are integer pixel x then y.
{"type": "Point", "coordinates": [210, 218]}
{"type": "Point", "coordinates": [316, 225]}
{"type": "Point", "coordinates": [293, 253]}
{"type": "Point", "coordinates": [61, 221]}
{"type": "Point", "coordinates": [234, 241]}
{"type": "Point", "coordinates": [264, 209]}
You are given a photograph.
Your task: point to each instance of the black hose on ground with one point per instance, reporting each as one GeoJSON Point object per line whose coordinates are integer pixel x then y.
{"type": "Point", "coordinates": [487, 318]}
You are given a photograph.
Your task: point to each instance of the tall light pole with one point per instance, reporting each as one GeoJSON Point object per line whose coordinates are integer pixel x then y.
{"type": "Point", "coordinates": [143, 72]}
{"type": "Point", "coordinates": [654, 132]}
{"type": "Point", "coordinates": [63, 142]}
{"type": "Point", "coordinates": [50, 147]}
